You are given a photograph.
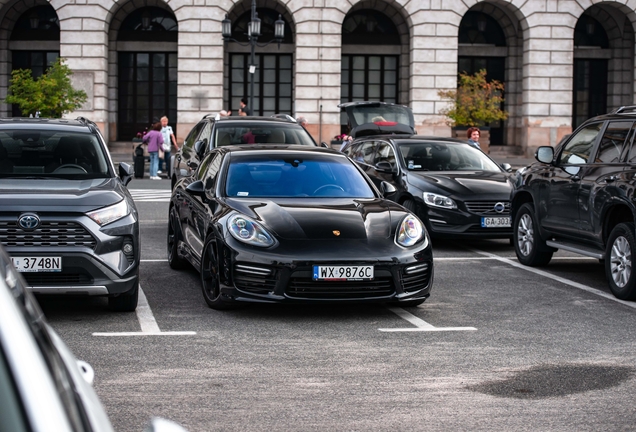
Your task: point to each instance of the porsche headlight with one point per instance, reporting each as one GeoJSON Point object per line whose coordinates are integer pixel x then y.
{"type": "Point", "coordinates": [247, 231]}
{"type": "Point", "coordinates": [110, 214]}
{"type": "Point", "coordinates": [436, 200]}
{"type": "Point", "coordinates": [411, 231]}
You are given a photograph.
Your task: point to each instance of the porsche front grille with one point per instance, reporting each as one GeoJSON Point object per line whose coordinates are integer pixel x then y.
{"type": "Point", "coordinates": [308, 288]}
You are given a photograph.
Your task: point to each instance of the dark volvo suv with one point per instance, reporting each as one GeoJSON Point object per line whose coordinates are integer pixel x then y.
{"type": "Point", "coordinates": [66, 216]}
{"type": "Point", "coordinates": [581, 197]}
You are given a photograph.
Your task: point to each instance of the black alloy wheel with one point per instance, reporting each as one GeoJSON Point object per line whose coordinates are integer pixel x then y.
{"type": "Point", "coordinates": [126, 302]}
{"type": "Point", "coordinates": [619, 261]}
{"type": "Point", "coordinates": [210, 278]}
{"type": "Point", "coordinates": [530, 248]}
{"type": "Point", "coordinates": [174, 237]}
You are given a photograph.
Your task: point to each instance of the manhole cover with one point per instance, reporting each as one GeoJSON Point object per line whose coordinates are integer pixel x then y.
{"type": "Point", "coordinates": [555, 380]}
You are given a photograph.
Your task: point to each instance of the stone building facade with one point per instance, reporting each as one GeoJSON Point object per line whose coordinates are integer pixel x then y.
{"type": "Point", "coordinates": [561, 60]}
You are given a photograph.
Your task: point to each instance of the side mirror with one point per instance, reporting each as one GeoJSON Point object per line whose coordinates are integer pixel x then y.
{"type": "Point", "coordinates": [125, 173]}
{"type": "Point", "coordinates": [196, 188]}
{"type": "Point", "coordinates": [506, 167]}
{"type": "Point", "coordinates": [199, 149]}
{"type": "Point", "coordinates": [545, 154]}
{"type": "Point", "coordinates": [324, 144]}
{"type": "Point", "coordinates": [192, 165]}
{"type": "Point", "coordinates": [385, 167]}
{"type": "Point", "coordinates": [387, 188]}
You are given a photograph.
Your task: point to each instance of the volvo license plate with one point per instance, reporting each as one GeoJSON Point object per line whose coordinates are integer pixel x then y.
{"type": "Point", "coordinates": [37, 264]}
{"type": "Point", "coordinates": [495, 222]}
{"type": "Point", "coordinates": [340, 273]}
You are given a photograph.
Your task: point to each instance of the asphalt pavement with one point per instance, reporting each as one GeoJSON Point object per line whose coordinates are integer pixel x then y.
{"type": "Point", "coordinates": [497, 346]}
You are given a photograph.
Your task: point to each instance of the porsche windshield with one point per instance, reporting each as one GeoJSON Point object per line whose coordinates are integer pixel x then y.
{"type": "Point", "coordinates": [51, 153]}
{"type": "Point", "coordinates": [295, 175]}
{"type": "Point", "coordinates": [437, 156]}
{"type": "Point", "coordinates": [261, 133]}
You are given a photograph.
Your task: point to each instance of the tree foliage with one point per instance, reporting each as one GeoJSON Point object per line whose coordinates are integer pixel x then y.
{"type": "Point", "coordinates": [475, 102]}
{"type": "Point", "coordinates": [52, 94]}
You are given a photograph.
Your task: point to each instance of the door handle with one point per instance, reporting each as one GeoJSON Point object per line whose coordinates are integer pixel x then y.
{"type": "Point", "coordinates": [611, 179]}
{"type": "Point", "coordinates": [575, 178]}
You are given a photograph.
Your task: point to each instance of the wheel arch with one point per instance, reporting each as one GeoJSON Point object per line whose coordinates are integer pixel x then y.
{"type": "Point", "coordinates": [518, 200]}
{"type": "Point", "coordinates": [618, 213]}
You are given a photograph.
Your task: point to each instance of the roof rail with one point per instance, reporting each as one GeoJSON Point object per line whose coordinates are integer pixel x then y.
{"type": "Point", "coordinates": [624, 108]}
{"type": "Point", "coordinates": [207, 115]}
{"type": "Point", "coordinates": [91, 124]}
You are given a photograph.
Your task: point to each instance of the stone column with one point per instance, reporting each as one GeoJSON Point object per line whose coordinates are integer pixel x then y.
{"type": "Point", "coordinates": [547, 79]}
{"type": "Point", "coordinates": [318, 64]}
{"type": "Point", "coordinates": [84, 44]}
{"type": "Point", "coordinates": [200, 63]}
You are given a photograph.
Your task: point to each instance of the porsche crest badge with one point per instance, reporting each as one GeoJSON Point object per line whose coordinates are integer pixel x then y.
{"type": "Point", "coordinates": [336, 233]}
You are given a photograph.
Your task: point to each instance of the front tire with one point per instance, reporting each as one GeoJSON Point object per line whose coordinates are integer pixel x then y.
{"type": "Point", "coordinates": [530, 248]}
{"type": "Point", "coordinates": [126, 302]}
{"type": "Point", "coordinates": [210, 279]}
{"type": "Point", "coordinates": [619, 261]}
{"type": "Point", "coordinates": [174, 260]}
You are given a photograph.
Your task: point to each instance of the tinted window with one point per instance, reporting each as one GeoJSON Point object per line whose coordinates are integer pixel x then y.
{"type": "Point", "coordinates": [300, 175]}
{"type": "Point", "coordinates": [578, 149]}
{"type": "Point", "coordinates": [50, 153]}
{"type": "Point", "coordinates": [192, 136]}
{"type": "Point", "coordinates": [615, 136]}
{"type": "Point", "coordinates": [363, 152]}
{"type": "Point", "coordinates": [205, 133]}
{"type": "Point", "coordinates": [382, 115]}
{"type": "Point", "coordinates": [263, 133]}
{"type": "Point", "coordinates": [435, 156]}
{"type": "Point", "coordinates": [385, 153]}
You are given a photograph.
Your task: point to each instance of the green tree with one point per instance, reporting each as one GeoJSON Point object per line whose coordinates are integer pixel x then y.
{"type": "Point", "coordinates": [475, 102]}
{"type": "Point", "coordinates": [51, 94]}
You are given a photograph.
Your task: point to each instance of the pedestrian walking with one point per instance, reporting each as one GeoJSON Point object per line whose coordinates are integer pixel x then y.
{"type": "Point", "coordinates": [168, 141]}
{"type": "Point", "coordinates": [154, 139]}
{"type": "Point", "coordinates": [473, 135]}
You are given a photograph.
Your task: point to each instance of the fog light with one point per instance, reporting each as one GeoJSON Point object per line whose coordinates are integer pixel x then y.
{"type": "Point", "coordinates": [128, 248]}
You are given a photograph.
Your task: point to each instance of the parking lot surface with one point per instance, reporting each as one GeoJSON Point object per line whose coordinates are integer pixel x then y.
{"type": "Point", "coordinates": [497, 346]}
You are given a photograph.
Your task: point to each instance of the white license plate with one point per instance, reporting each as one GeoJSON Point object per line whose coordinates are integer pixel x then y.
{"type": "Point", "coordinates": [37, 264]}
{"type": "Point", "coordinates": [339, 273]}
{"type": "Point", "coordinates": [495, 222]}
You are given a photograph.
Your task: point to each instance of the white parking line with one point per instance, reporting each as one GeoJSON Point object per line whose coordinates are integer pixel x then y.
{"type": "Point", "coordinates": [557, 278]}
{"type": "Point", "coordinates": [420, 324]}
{"type": "Point", "coordinates": [147, 322]}
{"type": "Point", "coordinates": [566, 258]}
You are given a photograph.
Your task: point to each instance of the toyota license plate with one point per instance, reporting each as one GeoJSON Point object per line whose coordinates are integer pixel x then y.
{"type": "Point", "coordinates": [495, 222]}
{"type": "Point", "coordinates": [37, 264]}
{"type": "Point", "coordinates": [340, 273]}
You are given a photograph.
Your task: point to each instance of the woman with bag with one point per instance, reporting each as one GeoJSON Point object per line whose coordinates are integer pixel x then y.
{"type": "Point", "coordinates": [154, 139]}
{"type": "Point", "coordinates": [168, 140]}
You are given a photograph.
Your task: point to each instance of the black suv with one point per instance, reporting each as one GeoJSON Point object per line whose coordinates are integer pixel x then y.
{"type": "Point", "coordinates": [580, 197]}
{"type": "Point", "coordinates": [66, 216]}
{"type": "Point", "coordinates": [214, 131]}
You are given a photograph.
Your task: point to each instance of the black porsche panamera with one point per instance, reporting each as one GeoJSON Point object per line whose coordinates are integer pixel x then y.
{"type": "Point", "coordinates": [295, 224]}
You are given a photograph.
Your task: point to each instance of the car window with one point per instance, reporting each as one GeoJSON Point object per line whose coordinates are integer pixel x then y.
{"type": "Point", "coordinates": [261, 133]}
{"type": "Point", "coordinates": [192, 136]}
{"type": "Point", "coordinates": [437, 156]}
{"type": "Point", "coordinates": [579, 148]}
{"type": "Point", "coordinates": [363, 153]}
{"type": "Point", "coordinates": [384, 153]}
{"type": "Point", "coordinates": [206, 133]}
{"type": "Point", "coordinates": [614, 138]}
{"type": "Point", "coordinates": [208, 173]}
{"type": "Point", "coordinates": [295, 176]}
{"type": "Point", "coordinates": [52, 153]}
{"type": "Point", "coordinates": [348, 150]}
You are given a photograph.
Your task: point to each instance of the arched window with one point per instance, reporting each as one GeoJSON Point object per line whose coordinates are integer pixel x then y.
{"type": "Point", "coordinates": [369, 27]}
{"type": "Point", "coordinates": [590, 33]}
{"type": "Point", "coordinates": [150, 24]}
{"type": "Point", "coordinates": [479, 28]}
{"type": "Point", "coordinates": [38, 23]}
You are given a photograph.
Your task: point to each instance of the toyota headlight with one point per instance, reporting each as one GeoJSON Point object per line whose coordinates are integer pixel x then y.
{"type": "Point", "coordinates": [435, 200]}
{"type": "Point", "coordinates": [110, 214]}
{"type": "Point", "coordinates": [411, 231]}
{"type": "Point", "coordinates": [247, 231]}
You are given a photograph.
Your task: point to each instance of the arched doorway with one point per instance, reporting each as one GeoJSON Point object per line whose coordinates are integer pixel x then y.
{"type": "Point", "coordinates": [375, 56]}
{"type": "Point", "coordinates": [274, 73]}
{"type": "Point", "coordinates": [145, 58]}
{"type": "Point", "coordinates": [34, 42]}
{"type": "Point", "coordinates": [603, 62]}
{"type": "Point", "coordinates": [489, 39]}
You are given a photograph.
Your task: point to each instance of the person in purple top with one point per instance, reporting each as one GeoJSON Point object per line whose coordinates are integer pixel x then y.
{"type": "Point", "coordinates": [154, 139]}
